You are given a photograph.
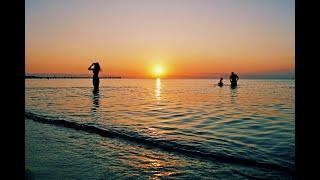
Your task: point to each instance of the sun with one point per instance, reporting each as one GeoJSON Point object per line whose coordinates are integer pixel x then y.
{"type": "Point", "coordinates": [158, 71]}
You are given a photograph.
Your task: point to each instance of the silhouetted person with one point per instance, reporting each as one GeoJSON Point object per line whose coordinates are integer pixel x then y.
{"type": "Point", "coordinates": [220, 82]}
{"type": "Point", "coordinates": [234, 79]}
{"type": "Point", "coordinates": [95, 78]}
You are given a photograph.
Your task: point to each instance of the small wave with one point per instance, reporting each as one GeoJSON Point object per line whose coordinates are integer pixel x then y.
{"type": "Point", "coordinates": [166, 145]}
{"type": "Point", "coordinates": [249, 176]}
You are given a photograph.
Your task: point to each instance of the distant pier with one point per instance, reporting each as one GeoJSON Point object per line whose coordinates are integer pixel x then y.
{"type": "Point", "coordinates": [69, 77]}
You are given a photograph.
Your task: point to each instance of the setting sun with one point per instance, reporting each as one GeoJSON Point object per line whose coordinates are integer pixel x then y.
{"type": "Point", "coordinates": [158, 71]}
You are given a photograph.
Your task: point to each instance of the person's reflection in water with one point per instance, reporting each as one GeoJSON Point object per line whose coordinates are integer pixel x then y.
{"type": "Point", "coordinates": [95, 99]}
{"type": "Point", "coordinates": [234, 96]}
{"type": "Point", "coordinates": [232, 86]}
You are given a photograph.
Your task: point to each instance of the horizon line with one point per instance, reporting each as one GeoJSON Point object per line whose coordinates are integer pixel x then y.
{"type": "Point", "coordinates": [284, 75]}
{"type": "Point", "coordinates": [119, 77]}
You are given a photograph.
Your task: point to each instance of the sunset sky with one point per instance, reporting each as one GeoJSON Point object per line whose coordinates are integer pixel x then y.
{"type": "Point", "coordinates": [186, 38]}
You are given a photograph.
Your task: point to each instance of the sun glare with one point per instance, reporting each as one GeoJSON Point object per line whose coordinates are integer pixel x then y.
{"type": "Point", "coordinates": [158, 71]}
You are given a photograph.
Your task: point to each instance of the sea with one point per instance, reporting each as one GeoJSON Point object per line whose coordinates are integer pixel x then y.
{"type": "Point", "coordinates": [160, 129]}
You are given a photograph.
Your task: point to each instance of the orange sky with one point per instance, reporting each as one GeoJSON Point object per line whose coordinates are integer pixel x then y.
{"type": "Point", "coordinates": [187, 38]}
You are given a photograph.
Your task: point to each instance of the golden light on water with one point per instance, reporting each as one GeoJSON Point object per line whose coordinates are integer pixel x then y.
{"type": "Point", "coordinates": [158, 89]}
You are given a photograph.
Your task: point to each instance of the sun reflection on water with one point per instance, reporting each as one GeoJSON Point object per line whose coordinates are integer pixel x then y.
{"type": "Point", "coordinates": [96, 105]}
{"type": "Point", "coordinates": [158, 89]}
{"type": "Point", "coordinates": [154, 166]}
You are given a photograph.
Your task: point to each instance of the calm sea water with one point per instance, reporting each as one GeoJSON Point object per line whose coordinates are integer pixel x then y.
{"type": "Point", "coordinates": [160, 128]}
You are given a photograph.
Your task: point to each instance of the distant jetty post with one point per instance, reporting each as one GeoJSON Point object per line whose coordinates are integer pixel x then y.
{"type": "Point", "coordinates": [67, 77]}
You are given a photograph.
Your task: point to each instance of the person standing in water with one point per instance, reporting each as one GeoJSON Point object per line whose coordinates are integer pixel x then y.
{"type": "Point", "coordinates": [220, 82]}
{"type": "Point", "coordinates": [95, 78]}
{"type": "Point", "coordinates": [234, 79]}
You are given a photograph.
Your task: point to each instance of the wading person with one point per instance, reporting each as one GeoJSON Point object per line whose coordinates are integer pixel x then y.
{"type": "Point", "coordinates": [95, 78]}
{"type": "Point", "coordinates": [220, 83]}
{"type": "Point", "coordinates": [234, 79]}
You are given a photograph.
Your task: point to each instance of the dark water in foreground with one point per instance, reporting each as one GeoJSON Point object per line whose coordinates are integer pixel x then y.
{"type": "Point", "coordinates": [160, 129]}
